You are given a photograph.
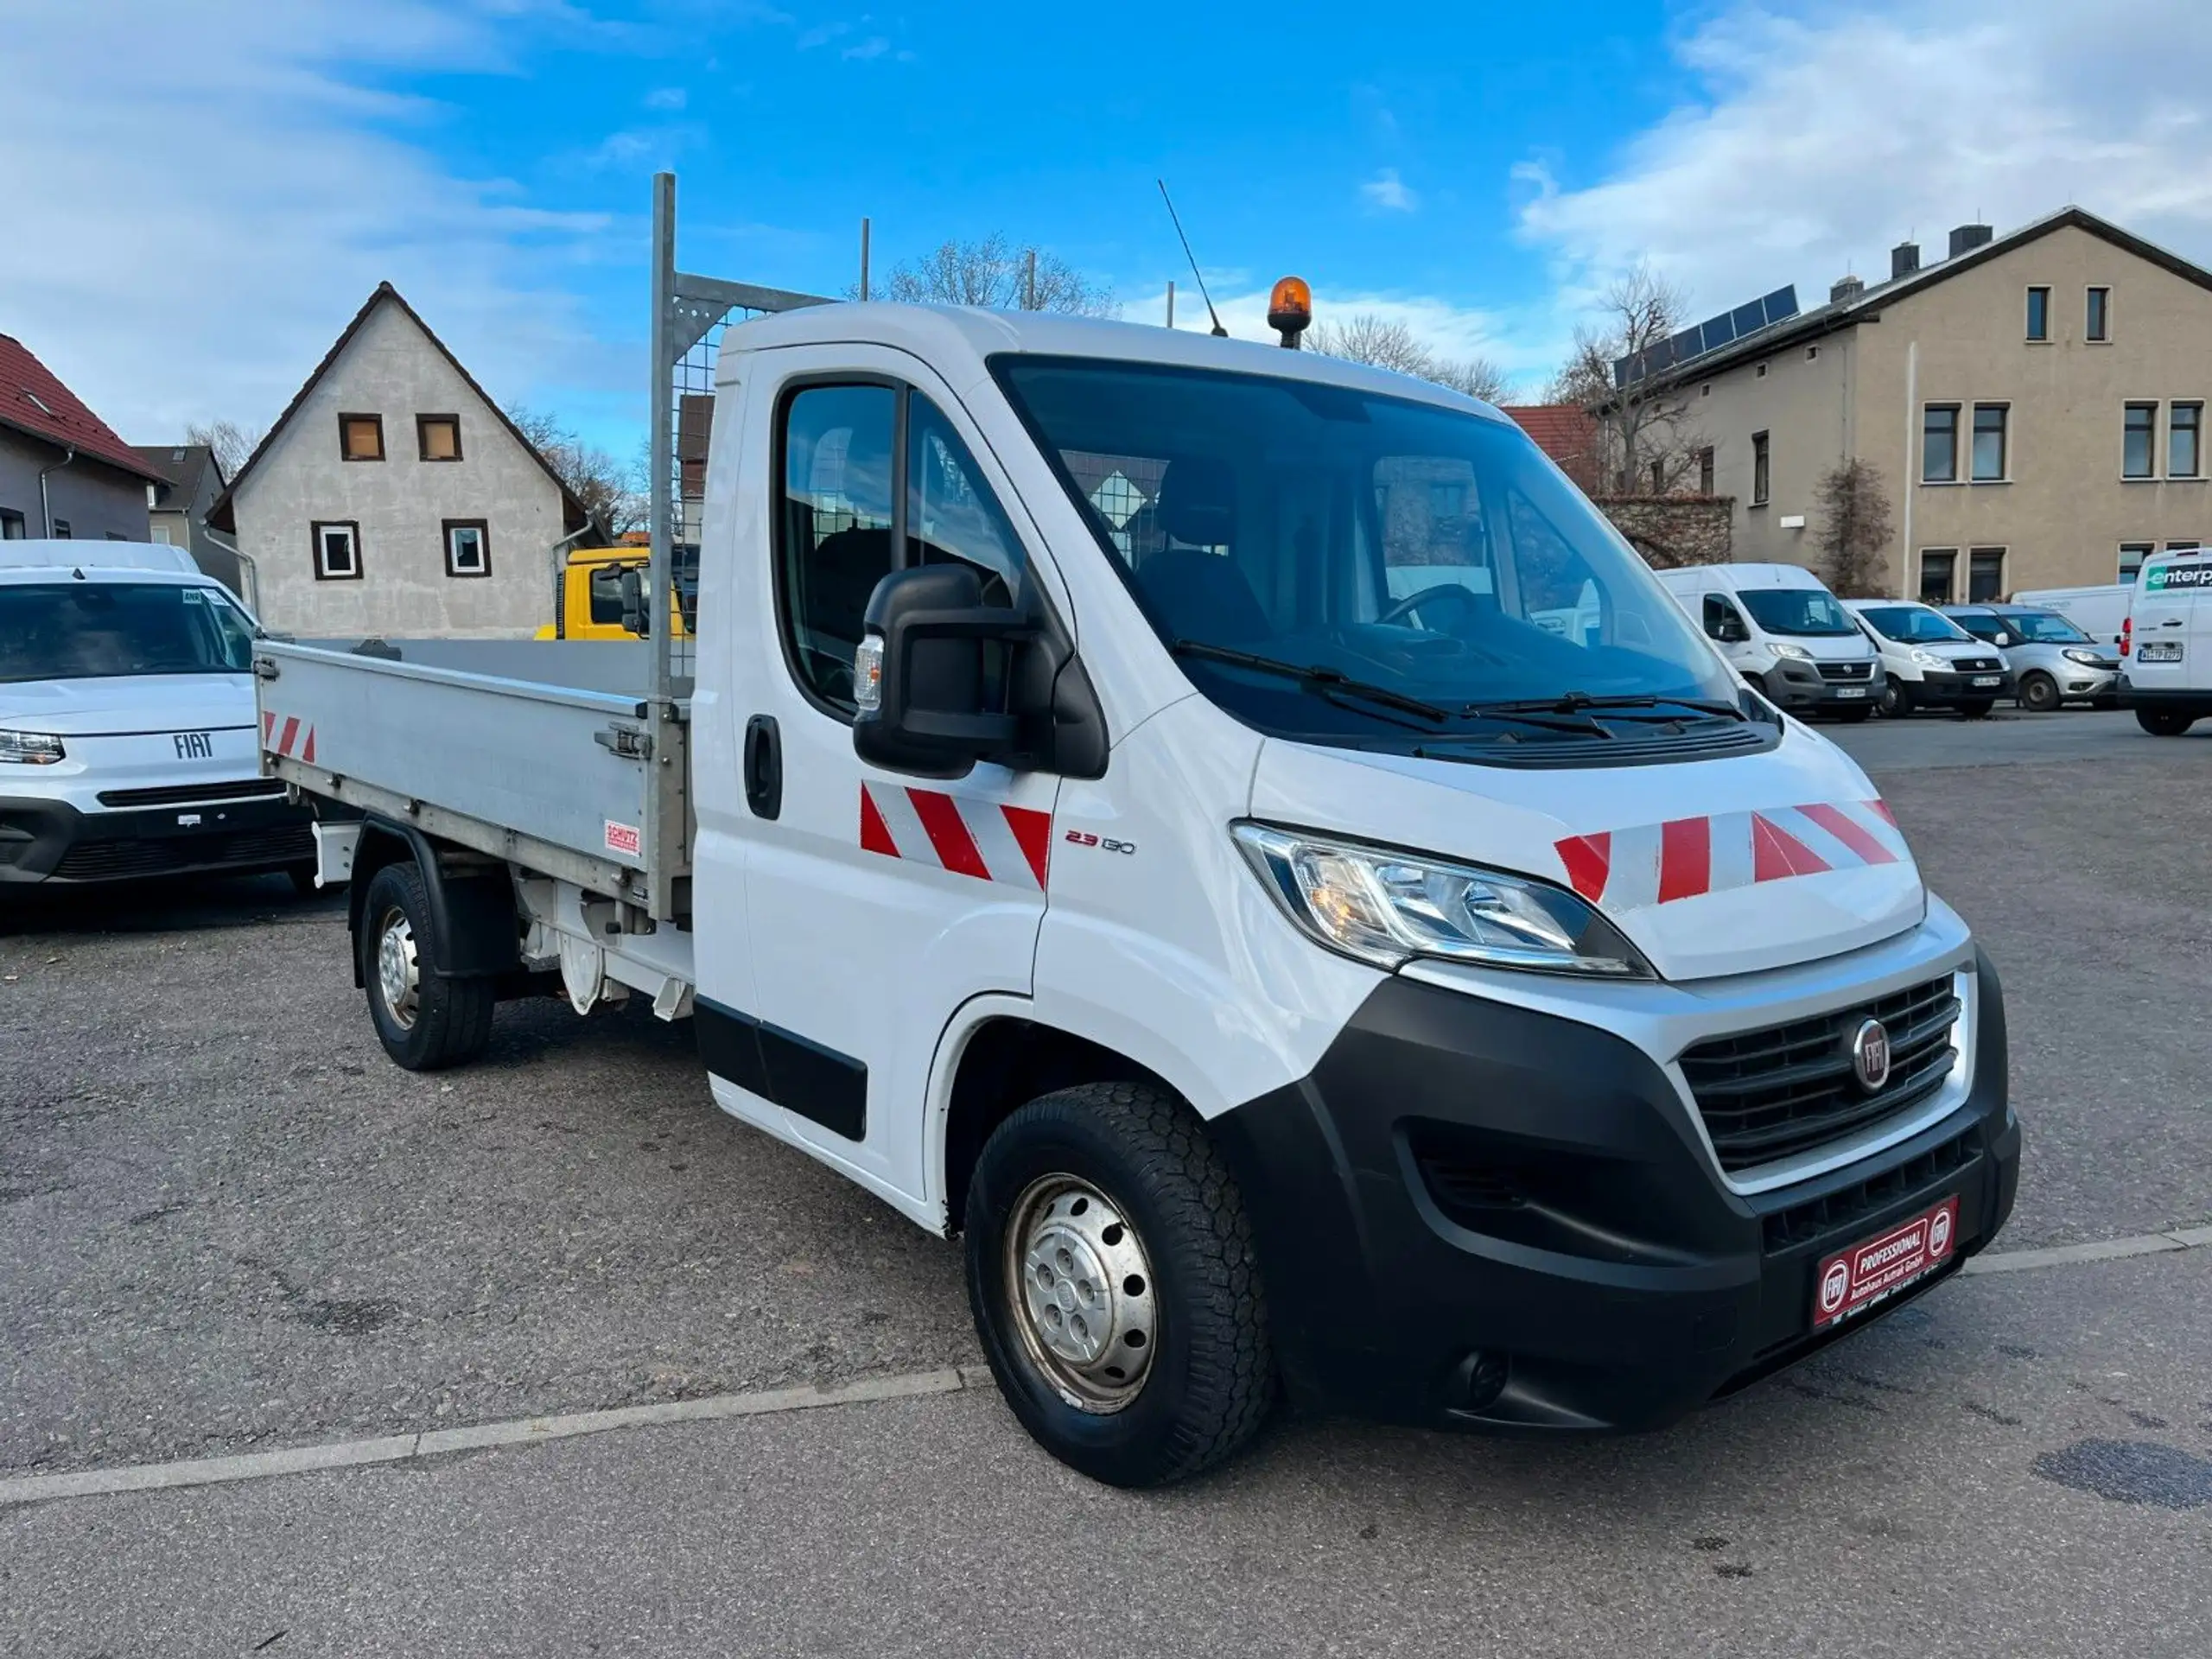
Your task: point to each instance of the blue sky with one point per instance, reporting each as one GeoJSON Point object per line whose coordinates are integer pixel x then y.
{"type": "Point", "coordinates": [219, 183]}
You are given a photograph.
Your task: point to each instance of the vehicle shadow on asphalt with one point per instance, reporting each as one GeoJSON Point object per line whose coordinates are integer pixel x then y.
{"type": "Point", "coordinates": [169, 905]}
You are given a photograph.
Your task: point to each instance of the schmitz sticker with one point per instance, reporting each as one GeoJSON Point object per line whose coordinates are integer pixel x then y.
{"type": "Point", "coordinates": [625, 840]}
{"type": "Point", "coordinates": [1856, 1279]}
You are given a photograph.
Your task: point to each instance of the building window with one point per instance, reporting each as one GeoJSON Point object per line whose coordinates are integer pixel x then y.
{"type": "Point", "coordinates": [337, 551]}
{"type": "Point", "coordinates": [1761, 375]}
{"type": "Point", "coordinates": [2138, 433]}
{"type": "Point", "coordinates": [1939, 444]}
{"type": "Point", "coordinates": [1985, 576]}
{"type": "Point", "coordinates": [468, 547]}
{"type": "Point", "coordinates": [360, 437]}
{"type": "Point", "coordinates": [12, 525]}
{"type": "Point", "coordinates": [61, 530]}
{"type": "Point", "coordinates": [1989, 443]}
{"type": "Point", "coordinates": [1760, 472]}
{"type": "Point", "coordinates": [1935, 564]}
{"type": "Point", "coordinates": [2096, 323]}
{"type": "Point", "coordinates": [2186, 441]}
{"type": "Point", "coordinates": [2131, 554]}
{"type": "Point", "coordinates": [1705, 470]}
{"type": "Point", "coordinates": [160, 535]}
{"type": "Point", "coordinates": [2182, 547]}
{"type": "Point", "coordinates": [2039, 314]}
{"type": "Point", "coordinates": [437, 437]}
{"type": "Point", "coordinates": [1658, 478]}
{"type": "Point", "coordinates": [1812, 354]}
{"type": "Point", "coordinates": [1447, 500]}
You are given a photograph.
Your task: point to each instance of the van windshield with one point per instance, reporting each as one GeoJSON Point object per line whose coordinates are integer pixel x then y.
{"type": "Point", "coordinates": [2043, 629]}
{"type": "Point", "coordinates": [1811, 611]}
{"type": "Point", "coordinates": [1913, 624]}
{"type": "Point", "coordinates": [1415, 565]}
{"type": "Point", "coordinates": [106, 630]}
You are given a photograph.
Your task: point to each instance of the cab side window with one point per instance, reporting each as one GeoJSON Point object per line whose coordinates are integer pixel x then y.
{"type": "Point", "coordinates": [834, 528]}
{"type": "Point", "coordinates": [1721, 621]}
{"type": "Point", "coordinates": [606, 595]}
{"type": "Point", "coordinates": [951, 515]}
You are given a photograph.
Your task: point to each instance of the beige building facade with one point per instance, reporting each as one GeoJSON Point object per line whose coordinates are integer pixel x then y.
{"type": "Point", "coordinates": [2034, 405]}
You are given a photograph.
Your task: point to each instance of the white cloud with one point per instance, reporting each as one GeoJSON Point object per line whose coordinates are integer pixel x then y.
{"type": "Point", "coordinates": [1389, 193]}
{"type": "Point", "coordinates": [666, 98]}
{"type": "Point", "coordinates": [1821, 142]}
{"type": "Point", "coordinates": [199, 197]}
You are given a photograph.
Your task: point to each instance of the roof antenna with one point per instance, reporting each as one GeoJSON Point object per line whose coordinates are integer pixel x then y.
{"type": "Point", "coordinates": [1219, 332]}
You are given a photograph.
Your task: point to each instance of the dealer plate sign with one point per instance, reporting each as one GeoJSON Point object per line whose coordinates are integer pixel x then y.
{"type": "Point", "coordinates": [1853, 1280]}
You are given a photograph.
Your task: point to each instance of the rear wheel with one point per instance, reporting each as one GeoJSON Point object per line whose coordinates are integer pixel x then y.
{"type": "Point", "coordinates": [1978, 709]}
{"type": "Point", "coordinates": [2039, 693]}
{"type": "Point", "coordinates": [1115, 1286]}
{"type": "Point", "coordinates": [2165, 722]}
{"type": "Point", "coordinates": [425, 1021]}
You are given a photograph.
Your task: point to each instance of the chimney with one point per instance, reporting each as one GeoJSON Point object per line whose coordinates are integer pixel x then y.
{"type": "Point", "coordinates": [1846, 291]}
{"type": "Point", "coordinates": [1904, 259]}
{"type": "Point", "coordinates": [1967, 237]}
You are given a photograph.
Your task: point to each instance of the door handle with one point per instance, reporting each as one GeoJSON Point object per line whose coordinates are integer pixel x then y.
{"type": "Point", "coordinates": [764, 766]}
{"type": "Point", "coordinates": [2171, 622]}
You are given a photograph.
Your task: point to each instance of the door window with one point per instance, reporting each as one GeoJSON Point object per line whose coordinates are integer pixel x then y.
{"type": "Point", "coordinates": [951, 515]}
{"type": "Point", "coordinates": [1721, 621]}
{"type": "Point", "coordinates": [833, 529]}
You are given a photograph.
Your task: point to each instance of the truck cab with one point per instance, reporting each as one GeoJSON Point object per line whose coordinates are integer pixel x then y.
{"type": "Point", "coordinates": [127, 741]}
{"type": "Point", "coordinates": [1236, 840]}
{"type": "Point", "coordinates": [597, 595]}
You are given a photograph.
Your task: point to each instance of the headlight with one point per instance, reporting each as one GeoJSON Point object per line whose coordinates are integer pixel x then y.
{"type": "Point", "coordinates": [1386, 908]}
{"type": "Point", "coordinates": [30, 749]}
{"type": "Point", "coordinates": [2086, 659]}
{"type": "Point", "coordinates": [1797, 652]}
{"type": "Point", "coordinates": [1927, 658]}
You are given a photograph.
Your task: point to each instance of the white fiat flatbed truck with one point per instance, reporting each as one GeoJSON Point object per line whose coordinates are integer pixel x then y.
{"type": "Point", "coordinates": [1236, 839]}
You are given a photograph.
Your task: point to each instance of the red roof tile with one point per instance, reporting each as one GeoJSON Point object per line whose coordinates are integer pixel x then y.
{"type": "Point", "coordinates": [1563, 431]}
{"type": "Point", "coordinates": [33, 401]}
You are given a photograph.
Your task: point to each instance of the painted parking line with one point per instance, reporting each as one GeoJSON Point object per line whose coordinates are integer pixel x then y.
{"type": "Point", "coordinates": [531, 1431]}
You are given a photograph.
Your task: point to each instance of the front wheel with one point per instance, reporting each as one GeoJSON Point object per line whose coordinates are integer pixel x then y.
{"type": "Point", "coordinates": [1978, 709]}
{"type": "Point", "coordinates": [1115, 1286]}
{"type": "Point", "coordinates": [2165, 722]}
{"type": "Point", "coordinates": [2040, 694]}
{"type": "Point", "coordinates": [1897, 699]}
{"type": "Point", "coordinates": [425, 1019]}
{"type": "Point", "coordinates": [1855, 715]}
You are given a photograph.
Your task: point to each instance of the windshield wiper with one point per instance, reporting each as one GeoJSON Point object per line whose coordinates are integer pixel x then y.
{"type": "Point", "coordinates": [1581, 702]}
{"type": "Point", "coordinates": [1316, 676]}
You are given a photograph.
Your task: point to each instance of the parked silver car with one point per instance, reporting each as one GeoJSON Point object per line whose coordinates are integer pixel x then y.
{"type": "Point", "coordinates": [2052, 661]}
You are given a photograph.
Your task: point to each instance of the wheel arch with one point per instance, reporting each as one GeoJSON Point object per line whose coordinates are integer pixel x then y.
{"type": "Point", "coordinates": [472, 917]}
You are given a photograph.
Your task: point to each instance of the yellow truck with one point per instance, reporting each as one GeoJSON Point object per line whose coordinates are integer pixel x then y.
{"type": "Point", "coordinates": [587, 601]}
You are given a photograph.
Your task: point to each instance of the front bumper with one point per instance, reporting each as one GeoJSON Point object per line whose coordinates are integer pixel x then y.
{"type": "Point", "coordinates": [1801, 688]}
{"type": "Point", "coordinates": [1935, 689]}
{"type": "Point", "coordinates": [54, 844]}
{"type": "Point", "coordinates": [1606, 1276]}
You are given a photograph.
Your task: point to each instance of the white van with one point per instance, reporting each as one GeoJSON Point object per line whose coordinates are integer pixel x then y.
{"type": "Point", "coordinates": [127, 740]}
{"type": "Point", "coordinates": [2098, 611]}
{"type": "Point", "coordinates": [1781, 628]}
{"type": "Point", "coordinates": [2165, 649]}
{"type": "Point", "coordinates": [1929, 661]}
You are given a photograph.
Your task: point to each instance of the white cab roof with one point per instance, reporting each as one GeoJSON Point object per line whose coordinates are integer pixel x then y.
{"type": "Point", "coordinates": [955, 341]}
{"type": "Point", "coordinates": [1769, 575]}
{"type": "Point", "coordinates": [96, 556]}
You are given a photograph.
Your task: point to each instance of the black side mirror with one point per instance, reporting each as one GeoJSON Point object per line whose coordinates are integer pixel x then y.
{"type": "Point", "coordinates": [1728, 630]}
{"type": "Point", "coordinates": [920, 680]}
{"type": "Point", "coordinates": [637, 609]}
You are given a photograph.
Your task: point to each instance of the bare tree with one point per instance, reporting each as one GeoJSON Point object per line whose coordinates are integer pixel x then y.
{"type": "Point", "coordinates": [614, 495]}
{"type": "Point", "coordinates": [232, 442]}
{"type": "Point", "coordinates": [1383, 343]}
{"type": "Point", "coordinates": [996, 274]}
{"type": "Point", "coordinates": [1854, 529]}
{"type": "Point", "coordinates": [1647, 442]}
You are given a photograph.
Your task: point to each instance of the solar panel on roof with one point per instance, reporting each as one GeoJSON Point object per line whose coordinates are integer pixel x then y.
{"type": "Point", "coordinates": [1783, 303]}
{"type": "Point", "coordinates": [1708, 336]}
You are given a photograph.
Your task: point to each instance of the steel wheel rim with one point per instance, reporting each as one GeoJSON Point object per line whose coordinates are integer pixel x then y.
{"type": "Point", "coordinates": [1079, 1286]}
{"type": "Point", "coordinates": [399, 973]}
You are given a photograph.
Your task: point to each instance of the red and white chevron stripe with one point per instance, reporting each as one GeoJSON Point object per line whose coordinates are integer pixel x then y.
{"type": "Point", "coordinates": [1685, 858]}
{"type": "Point", "coordinates": [286, 740]}
{"type": "Point", "coordinates": [968, 835]}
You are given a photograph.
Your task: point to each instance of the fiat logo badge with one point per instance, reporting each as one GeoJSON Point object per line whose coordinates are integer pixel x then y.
{"type": "Point", "coordinates": [1870, 1055]}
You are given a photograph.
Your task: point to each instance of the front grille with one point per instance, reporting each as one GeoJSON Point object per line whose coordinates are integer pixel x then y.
{"type": "Point", "coordinates": [241, 789]}
{"type": "Point", "coordinates": [1839, 1209]}
{"type": "Point", "coordinates": [1847, 670]}
{"type": "Point", "coordinates": [1786, 1089]}
{"type": "Point", "coordinates": [107, 860]}
{"type": "Point", "coordinates": [1977, 665]}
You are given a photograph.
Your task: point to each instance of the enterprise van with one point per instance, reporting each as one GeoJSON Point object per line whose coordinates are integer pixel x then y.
{"type": "Point", "coordinates": [2165, 649]}
{"type": "Point", "coordinates": [1781, 628]}
{"type": "Point", "coordinates": [127, 740]}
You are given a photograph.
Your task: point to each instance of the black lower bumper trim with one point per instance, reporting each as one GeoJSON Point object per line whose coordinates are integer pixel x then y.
{"type": "Point", "coordinates": [51, 842]}
{"type": "Point", "coordinates": [1471, 1215]}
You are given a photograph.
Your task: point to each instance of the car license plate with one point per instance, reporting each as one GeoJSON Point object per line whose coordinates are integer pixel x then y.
{"type": "Point", "coordinates": [1986, 679]}
{"type": "Point", "coordinates": [1851, 690]}
{"type": "Point", "coordinates": [2159, 650]}
{"type": "Point", "coordinates": [1853, 1280]}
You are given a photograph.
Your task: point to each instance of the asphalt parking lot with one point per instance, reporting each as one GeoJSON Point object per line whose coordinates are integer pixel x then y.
{"type": "Point", "coordinates": [231, 1226]}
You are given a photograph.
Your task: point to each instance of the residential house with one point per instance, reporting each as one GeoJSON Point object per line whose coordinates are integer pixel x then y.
{"type": "Point", "coordinates": [63, 471]}
{"type": "Point", "coordinates": [393, 497]}
{"type": "Point", "coordinates": [2033, 405]}
{"type": "Point", "coordinates": [180, 510]}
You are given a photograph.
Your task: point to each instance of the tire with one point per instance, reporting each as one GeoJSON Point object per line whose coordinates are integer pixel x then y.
{"type": "Point", "coordinates": [1206, 1377]}
{"type": "Point", "coordinates": [1855, 716]}
{"type": "Point", "coordinates": [2040, 694]}
{"type": "Point", "coordinates": [1897, 699]}
{"type": "Point", "coordinates": [2165, 722]}
{"type": "Point", "coordinates": [1978, 709]}
{"type": "Point", "coordinates": [438, 1021]}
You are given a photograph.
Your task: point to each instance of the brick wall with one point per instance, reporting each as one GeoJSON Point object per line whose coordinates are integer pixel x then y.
{"type": "Point", "coordinates": [1674, 529]}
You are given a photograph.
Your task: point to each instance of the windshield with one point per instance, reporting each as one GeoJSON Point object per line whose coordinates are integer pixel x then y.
{"type": "Point", "coordinates": [1796, 610]}
{"type": "Point", "coordinates": [1404, 551]}
{"type": "Point", "coordinates": [1913, 624]}
{"type": "Point", "coordinates": [102, 630]}
{"type": "Point", "coordinates": [2043, 629]}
